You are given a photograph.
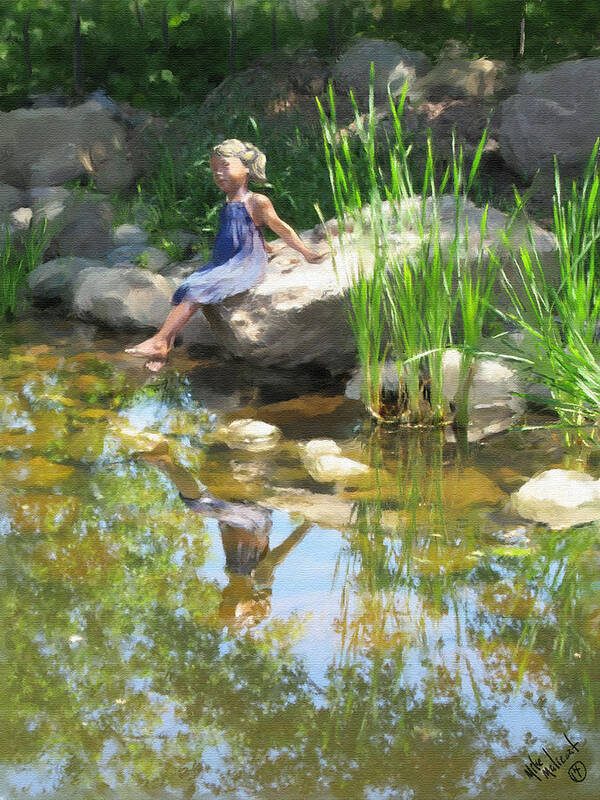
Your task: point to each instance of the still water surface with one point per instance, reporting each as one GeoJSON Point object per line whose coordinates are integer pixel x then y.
{"type": "Point", "coordinates": [397, 637]}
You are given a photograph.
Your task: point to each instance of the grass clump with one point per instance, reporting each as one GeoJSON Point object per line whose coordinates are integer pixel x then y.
{"type": "Point", "coordinates": [562, 324]}
{"type": "Point", "coordinates": [18, 258]}
{"type": "Point", "coordinates": [412, 288]}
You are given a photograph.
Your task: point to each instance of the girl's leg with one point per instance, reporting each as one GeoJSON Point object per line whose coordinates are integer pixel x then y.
{"type": "Point", "coordinates": [159, 345]}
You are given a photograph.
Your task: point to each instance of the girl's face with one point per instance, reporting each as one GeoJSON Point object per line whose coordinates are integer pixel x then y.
{"type": "Point", "coordinates": [229, 172]}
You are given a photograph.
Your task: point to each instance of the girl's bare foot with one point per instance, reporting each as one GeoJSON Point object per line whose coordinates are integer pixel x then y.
{"type": "Point", "coordinates": [153, 347]}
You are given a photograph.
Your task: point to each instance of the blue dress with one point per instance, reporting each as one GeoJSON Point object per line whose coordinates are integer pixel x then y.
{"type": "Point", "coordinates": [238, 260]}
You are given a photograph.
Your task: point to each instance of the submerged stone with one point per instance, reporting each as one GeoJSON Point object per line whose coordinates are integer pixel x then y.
{"type": "Point", "coordinates": [559, 498]}
{"type": "Point", "coordinates": [325, 464]}
{"type": "Point", "coordinates": [251, 434]}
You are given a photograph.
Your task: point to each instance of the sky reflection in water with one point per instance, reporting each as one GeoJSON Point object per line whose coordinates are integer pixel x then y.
{"type": "Point", "coordinates": [413, 650]}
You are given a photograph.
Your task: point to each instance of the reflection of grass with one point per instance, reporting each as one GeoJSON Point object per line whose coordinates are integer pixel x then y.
{"type": "Point", "coordinates": [534, 601]}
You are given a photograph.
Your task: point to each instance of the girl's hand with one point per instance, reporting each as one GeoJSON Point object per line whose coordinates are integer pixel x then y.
{"type": "Point", "coordinates": [273, 249]}
{"type": "Point", "coordinates": [314, 257]}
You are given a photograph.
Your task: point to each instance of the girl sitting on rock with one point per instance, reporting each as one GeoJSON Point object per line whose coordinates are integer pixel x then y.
{"type": "Point", "coordinates": [240, 253]}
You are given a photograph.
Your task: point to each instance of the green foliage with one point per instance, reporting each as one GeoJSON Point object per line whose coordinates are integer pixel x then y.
{"type": "Point", "coordinates": [129, 51]}
{"type": "Point", "coordinates": [412, 295]}
{"type": "Point", "coordinates": [180, 193]}
{"type": "Point", "coordinates": [20, 254]}
{"type": "Point", "coordinates": [562, 322]}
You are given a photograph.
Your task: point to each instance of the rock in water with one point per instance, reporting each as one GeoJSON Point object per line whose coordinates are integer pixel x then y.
{"type": "Point", "coordinates": [323, 461]}
{"type": "Point", "coordinates": [559, 498]}
{"type": "Point", "coordinates": [249, 434]}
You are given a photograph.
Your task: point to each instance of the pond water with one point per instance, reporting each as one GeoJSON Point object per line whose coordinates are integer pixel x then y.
{"type": "Point", "coordinates": [401, 636]}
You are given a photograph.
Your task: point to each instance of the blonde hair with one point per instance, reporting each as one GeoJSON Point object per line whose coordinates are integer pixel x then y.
{"type": "Point", "coordinates": [250, 156]}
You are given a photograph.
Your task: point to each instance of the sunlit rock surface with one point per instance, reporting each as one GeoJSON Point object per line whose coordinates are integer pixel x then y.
{"type": "Point", "coordinates": [325, 464]}
{"type": "Point", "coordinates": [393, 65]}
{"type": "Point", "coordinates": [250, 434]}
{"type": "Point", "coordinates": [298, 313]}
{"type": "Point", "coordinates": [559, 498]}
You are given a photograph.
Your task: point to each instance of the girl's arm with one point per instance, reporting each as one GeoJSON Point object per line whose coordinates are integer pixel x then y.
{"type": "Point", "coordinates": [265, 214]}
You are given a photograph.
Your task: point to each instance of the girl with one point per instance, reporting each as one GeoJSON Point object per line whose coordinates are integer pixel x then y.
{"type": "Point", "coordinates": [240, 253]}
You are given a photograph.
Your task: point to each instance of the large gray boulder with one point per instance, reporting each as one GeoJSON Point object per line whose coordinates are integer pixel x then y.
{"type": "Point", "coordinates": [460, 78]}
{"type": "Point", "coordinates": [393, 65]}
{"type": "Point", "coordinates": [49, 146]}
{"type": "Point", "coordinates": [10, 199]}
{"type": "Point", "coordinates": [554, 112]}
{"type": "Point", "coordinates": [122, 298]}
{"type": "Point", "coordinates": [298, 315]}
{"type": "Point", "coordinates": [86, 228]}
{"type": "Point", "coordinates": [52, 282]}
{"type": "Point", "coordinates": [131, 299]}
{"type": "Point", "coordinates": [51, 202]}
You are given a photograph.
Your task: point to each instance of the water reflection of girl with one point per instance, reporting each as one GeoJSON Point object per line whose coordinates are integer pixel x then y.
{"type": "Point", "coordinates": [245, 529]}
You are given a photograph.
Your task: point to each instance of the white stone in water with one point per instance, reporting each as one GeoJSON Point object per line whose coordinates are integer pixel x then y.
{"type": "Point", "coordinates": [333, 469]}
{"type": "Point", "coordinates": [559, 498]}
{"type": "Point", "coordinates": [249, 433]}
{"type": "Point", "coordinates": [319, 447]}
{"type": "Point", "coordinates": [323, 461]}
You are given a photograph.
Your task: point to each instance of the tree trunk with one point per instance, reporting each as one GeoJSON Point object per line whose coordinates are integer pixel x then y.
{"type": "Point", "coordinates": [274, 24]}
{"type": "Point", "coordinates": [331, 24]}
{"type": "Point", "coordinates": [469, 19]}
{"type": "Point", "coordinates": [139, 14]}
{"type": "Point", "coordinates": [165, 27]}
{"type": "Point", "coordinates": [233, 40]}
{"type": "Point", "coordinates": [78, 58]}
{"type": "Point", "coordinates": [522, 34]}
{"type": "Point", "coordinates": [27, 46]}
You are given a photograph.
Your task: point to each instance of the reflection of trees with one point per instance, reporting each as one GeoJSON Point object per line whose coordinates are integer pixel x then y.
{"type": "Point", "coordinates": [438, 628]}
{"type": "Point", "coordinates": [428, 591]}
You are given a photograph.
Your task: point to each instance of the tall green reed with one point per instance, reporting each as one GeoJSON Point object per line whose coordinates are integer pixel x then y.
{"type": "Point", "coordinates": [18, 259]}
{"type": "Point", "coordinates": [562, 322]}
{"type": "Point", "coordinates": [408, 286]}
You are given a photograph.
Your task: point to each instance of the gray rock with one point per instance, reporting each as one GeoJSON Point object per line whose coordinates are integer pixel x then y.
{"type": "Point", "coordinates": [180, 270]}
{"type": "Point", "coordinates": [125, 253]}
{"type": "Point", "coordinates": [150, 258]}
{"type": "Point", "coordinates": [183, 239]}
{"type": "Point", "coordinates": [125, 299]}
{"type": "Point", "coordinates": [297, 314]}
{"type": "Point", "coordinates": [554, 112]}
{"type": "Point", "coordinates": [393, 65]}
{"type": "Point", "coordinates": [10, 198]}
{"type": "Point", "coordinates": [153, 259]}
{"type": "Point", "coordinates": [52, 99]}
{"type": "Point", "coordinates": [493, 402]}
{"type": "Point", "coordinates": [20, 218]}
{"type": "Point", "coordinates": [495, 384]}
{"type": "Point", "coordinates": [52, 281]}
{"type": "Point", "coordinates": [460, 78]}
{"type": "Point", "coordinates": [48, 146]}
{"type": "Point", "coordinates": [389, 381]}
{"type": "Point", "coordinates": [50, 202]}
{"type": "Point", "coordinates": [87, 228]}
{"type": "Point", "coordinates": [128, 235]}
